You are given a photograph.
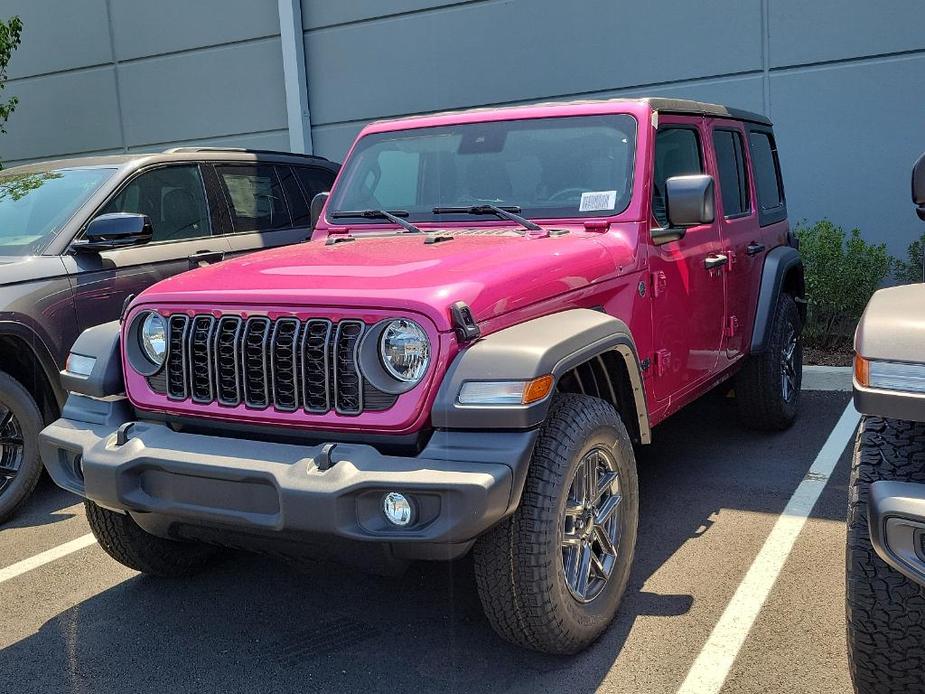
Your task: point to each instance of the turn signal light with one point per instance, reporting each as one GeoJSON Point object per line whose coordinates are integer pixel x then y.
{"type": "Point", "coordinates": [537, 389]}
{"type": "Point", "coordinates": [861, 371]}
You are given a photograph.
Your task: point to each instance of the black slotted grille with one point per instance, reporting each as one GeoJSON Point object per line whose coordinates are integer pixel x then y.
{"type": "Point", "coordinates": [284, 359]}
{"type": "Point", "coordinates": [285, 364]}
{"type": "Point", "coordinates": [348, 388]}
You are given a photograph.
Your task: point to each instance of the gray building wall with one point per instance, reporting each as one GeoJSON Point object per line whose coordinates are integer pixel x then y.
{"type": "Point", "coordinates": [842, 79]}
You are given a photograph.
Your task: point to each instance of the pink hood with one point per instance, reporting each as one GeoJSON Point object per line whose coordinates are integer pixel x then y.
{"type": "Point", "coordinates": [494, 274]}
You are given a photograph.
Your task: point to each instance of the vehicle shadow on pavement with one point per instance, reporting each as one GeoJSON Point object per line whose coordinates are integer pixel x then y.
{"type": "Point", "coordinates": [44, 507]}
{"type": "Point", "coordinates": [260, 625]}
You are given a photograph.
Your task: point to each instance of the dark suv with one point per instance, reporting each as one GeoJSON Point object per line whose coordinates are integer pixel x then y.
{"type": "Point", "coordinates": [78, 237]}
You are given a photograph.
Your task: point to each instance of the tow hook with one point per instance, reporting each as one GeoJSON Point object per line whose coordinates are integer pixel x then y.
{"type": "Point", "coordinates": [124, 433]}
{"type": "Point", "coordinates": [323, 460]}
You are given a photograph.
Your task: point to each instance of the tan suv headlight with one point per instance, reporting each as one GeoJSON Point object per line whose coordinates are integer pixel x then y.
{"type": "Point", "coordinates": [889, 375]}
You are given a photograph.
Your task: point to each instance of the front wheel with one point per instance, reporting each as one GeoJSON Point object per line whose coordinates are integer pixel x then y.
{"type": "Point", "coordinates": [551, 576]}
{"type": "Point", "coordinates": [20, 464]}
{"type": "Point", "coordinates": [886, 634]}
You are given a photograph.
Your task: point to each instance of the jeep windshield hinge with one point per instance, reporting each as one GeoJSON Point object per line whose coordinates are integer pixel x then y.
{"type": "Point", "coordinates": [463, 323]}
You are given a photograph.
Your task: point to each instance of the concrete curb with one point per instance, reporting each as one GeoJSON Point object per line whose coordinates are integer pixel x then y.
{"type": "Point", "coordinates": [837, 378]}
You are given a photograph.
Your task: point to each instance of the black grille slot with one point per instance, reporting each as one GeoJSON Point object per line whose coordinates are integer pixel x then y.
{"type": "Point", "coordinates": [316, 390]}
{"type": "Point", "coordinates": [284, 363]}
{"type": "Point", "coordinates": [200, 359]}
{"type": "Point", "coordinates": [254, 362]}
{"type": "Point", "coordinates": [348, 386]}
{"type": "Point", "coordinates": [176, 358]}
{"type": "Point", "coordinates": [227, 361]}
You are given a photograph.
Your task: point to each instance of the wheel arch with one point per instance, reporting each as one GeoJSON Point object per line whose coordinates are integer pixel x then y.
{"type": "Point", "coordinates": [25, 357]}
{"type": "Point", "coordinates": [584, 350]}
{"type": "Point", "coordinates": [782, 274]}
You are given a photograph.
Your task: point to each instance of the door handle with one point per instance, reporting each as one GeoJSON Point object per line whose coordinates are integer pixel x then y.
{"type": "Point", "coordinates": [711, 262]}
{"type": "Point", "coordinates": [205, 257]}
{"type": "Point", "coordinates": [754, 248]}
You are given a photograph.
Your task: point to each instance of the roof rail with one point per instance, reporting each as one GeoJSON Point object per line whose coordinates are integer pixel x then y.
{"type": "Point", "coordinates": [187, 150]}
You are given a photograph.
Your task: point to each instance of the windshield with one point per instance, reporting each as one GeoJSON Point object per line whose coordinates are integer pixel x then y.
{"type": "Point", "coordinates": [34, 205]}
{"type": "Point", "coordinates": [550, 168]}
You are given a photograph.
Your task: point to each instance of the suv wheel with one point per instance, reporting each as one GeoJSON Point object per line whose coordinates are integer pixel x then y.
{"type": "Point", "coordinates": [20, 464]}
{"type": "Point", "coordinates": [768, 386]}
{"type": "Point", "coordinates": [125, 541]}
{"type": "Point", "coordinates": [551, 576]}
{"type": "Point", "coordinates": [886, 634]}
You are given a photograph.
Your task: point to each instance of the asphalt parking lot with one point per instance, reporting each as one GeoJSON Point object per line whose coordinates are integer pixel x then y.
{"type": "Point", "coordinates": [711, 493]}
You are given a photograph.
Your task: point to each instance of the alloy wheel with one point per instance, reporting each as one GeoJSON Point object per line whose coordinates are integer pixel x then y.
{"type": "Point", "coordinates": [788, 366]}
{"type": "Point", "coordinates": [12, 449]}
{"type": "Point", "coordinates": [590, 526]}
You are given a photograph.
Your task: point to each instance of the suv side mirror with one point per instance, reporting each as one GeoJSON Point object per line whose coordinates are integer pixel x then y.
{"type": "Point", "coordinates": [314, 211]}
{"type": "Point", "coordinates": [115, 230]}
{"type": "Point", "coordinates": [689, 202]}
{"type": "Point", "coordinates": [918, 187]}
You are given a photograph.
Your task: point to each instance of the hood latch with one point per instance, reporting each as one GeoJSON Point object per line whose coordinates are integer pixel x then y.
{"type": "Point", "coordinates": [463, 323]}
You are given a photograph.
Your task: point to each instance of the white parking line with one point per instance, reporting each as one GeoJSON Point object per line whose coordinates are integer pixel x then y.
{"type": "Point", "coordinates": [710, 669]}
{"type": "Point", "coordinates": [21, 567]}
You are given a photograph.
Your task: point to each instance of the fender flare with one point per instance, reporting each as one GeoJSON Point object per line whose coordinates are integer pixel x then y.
{"type": "Point", "coordinates": [101, 343]}
{"type": "Point", "coordinates": [778, 264]}
{"type": "Point", "coordinates": [40, 351]}
{"type": "Point", "coordinates": [552, 344]}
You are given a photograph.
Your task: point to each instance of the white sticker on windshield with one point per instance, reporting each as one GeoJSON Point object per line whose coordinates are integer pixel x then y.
{"type": "Point", "coordinates": [599, 200]}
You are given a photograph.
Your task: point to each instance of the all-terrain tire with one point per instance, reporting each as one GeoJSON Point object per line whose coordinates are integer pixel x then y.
{"type": "Point", "coordinates": [886, 632]}
{"type": "Point", "coordinates": [16, 399]}
{"type": "Point", "coordinates": [128, 544]}
{"type": "Point", "coordinates": [759, 393]}
{"type": "Point", "coordinates": [518, 563]}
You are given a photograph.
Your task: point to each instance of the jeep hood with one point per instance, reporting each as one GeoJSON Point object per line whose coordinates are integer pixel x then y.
{"type": "Point", "coordinates": [493, 273]}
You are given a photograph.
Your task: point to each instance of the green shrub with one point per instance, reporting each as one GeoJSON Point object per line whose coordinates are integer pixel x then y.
{"type": "Point", "coordinates": [842, 272]}
{"type": "Point", "coordinates": [910, 270]}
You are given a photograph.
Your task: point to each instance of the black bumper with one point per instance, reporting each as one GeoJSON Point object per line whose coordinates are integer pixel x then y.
{"type": "Point", "coordinates": [461, 484]}
{"type": "Point", "coordinates": [896, 518]}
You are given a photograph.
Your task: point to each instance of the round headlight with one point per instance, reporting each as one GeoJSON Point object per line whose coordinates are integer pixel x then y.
{"type": "Point", "coordinates": [153, 337]}
{"type": "Point", "coordinates": [405, 350]}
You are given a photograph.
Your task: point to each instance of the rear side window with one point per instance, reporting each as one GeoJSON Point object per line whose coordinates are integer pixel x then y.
{"type": "Point", "coordinates": [767, 170]}
{"type": "Point", "coordinates": [733, 173]}
{"type": "Point", "coordinates": [298, 207]}
{"type": "Point", "coordinates": [314, 180]}
{"type": "Point", "coordinates": [677, 153]}
{"type": "Point", "coordinates": [255, 196]}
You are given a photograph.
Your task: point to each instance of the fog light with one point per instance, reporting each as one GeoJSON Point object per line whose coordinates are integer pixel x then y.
{"type": "Point", "coordinates": [397, 509]}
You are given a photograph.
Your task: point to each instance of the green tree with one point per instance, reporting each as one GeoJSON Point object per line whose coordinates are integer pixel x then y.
{"type": "Point", "coordinates": [911, 269]}
{"type": "Point", "coordinates": [10, 36]}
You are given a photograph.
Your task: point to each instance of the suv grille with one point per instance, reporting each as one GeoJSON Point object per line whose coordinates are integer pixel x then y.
{"type": "Point", "coordinates": [286, 364]}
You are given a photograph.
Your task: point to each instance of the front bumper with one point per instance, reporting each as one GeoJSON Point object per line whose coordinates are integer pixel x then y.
{"type": "Point", "coordinates": [896, 519]}
{"type": "Point", "coordinates": [461, 484]}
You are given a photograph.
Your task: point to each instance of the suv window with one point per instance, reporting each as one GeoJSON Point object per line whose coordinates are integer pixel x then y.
{"type": "Point", "coordinates": [767, 170]}
{"type": "Point", "coordinates": [677, 153]}
{"type": "Point", "coordinates": [314, 180]}
{"type": "Point", "coordinates": [733, 172]}
{"type": "Point", "coordinates": [298, 206]}
{"type": "Point", "coordinates": [173, 198]}
{"type": "Point", "coordinates": [255, 197]}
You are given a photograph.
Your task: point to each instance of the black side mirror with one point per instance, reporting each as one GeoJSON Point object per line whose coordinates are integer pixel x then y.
{"type": "Point", "coordinates": [115, 230]}
{"type": "Point", "coordinates": [314, 211]}
{"type": "Point", "coordinates": [689, 202]}
{"type": "Point", "coordinates": [918, 187]}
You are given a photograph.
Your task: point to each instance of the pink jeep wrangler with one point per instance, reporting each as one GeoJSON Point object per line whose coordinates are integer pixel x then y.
{"type": "Point", "coordinates": [496, 306]}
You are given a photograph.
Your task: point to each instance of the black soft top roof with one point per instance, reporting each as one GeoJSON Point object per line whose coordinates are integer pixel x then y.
{"type": "Point", "coordinates": [701, 108]}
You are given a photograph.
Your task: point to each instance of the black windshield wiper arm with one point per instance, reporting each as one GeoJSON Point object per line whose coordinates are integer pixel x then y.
{"type": "Point", "coordinates": [394, 216]}
{"type": "Point", "coordinates": [502, 212]}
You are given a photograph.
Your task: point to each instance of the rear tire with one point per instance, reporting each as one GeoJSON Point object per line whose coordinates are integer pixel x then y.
{"type": "Point", "coordinates": [886, 634]}
{"type": "Point", "coordinates": [20, 463]}
{"type": "Point", "coordinates": [123, 540]}
{"type": "Point", "coordinates": [768, 386]}
{"type": "Point", "coordinates": [521, 563]}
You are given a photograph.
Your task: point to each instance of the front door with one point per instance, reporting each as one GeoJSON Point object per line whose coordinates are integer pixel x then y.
{"type": "Point", "coordinates": [687, 274]}
{"type": "Point", "coordinates": [174, 199]}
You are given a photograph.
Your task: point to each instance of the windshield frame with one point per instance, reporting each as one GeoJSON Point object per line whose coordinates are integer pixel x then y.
{"type": "Point", "coordinates": [47, 240]}
{"type": "Point", "coordinates": [367, 139]}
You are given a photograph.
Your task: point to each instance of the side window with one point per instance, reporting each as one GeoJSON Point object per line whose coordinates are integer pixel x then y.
{"type": "Point", "coordinates": [677, 153]}
{"type": "Point", "coordinates": [298, 206]}
{"type": "Point", "coordinates": [255, 196]}
{"type": "Point", "coordinates": [314, 180]}
{"type": "Point", "coordinates": [767, 170]}
{"type": "Point", "coordinates": [733, 173]}
{"type": "Point", "coordinates": [174, 200]}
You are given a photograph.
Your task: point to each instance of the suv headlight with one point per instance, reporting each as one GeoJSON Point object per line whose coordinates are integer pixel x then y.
{"type": "Point", "coordinates": [404, 350]}
{"type": "Point", "coordinates": [153, 338]}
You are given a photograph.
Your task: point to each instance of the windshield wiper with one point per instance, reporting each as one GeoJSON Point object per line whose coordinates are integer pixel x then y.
{"type": "Point", "coordinates": [394, 216]}
{"type": "Point", "coordinates": [502, 212]}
